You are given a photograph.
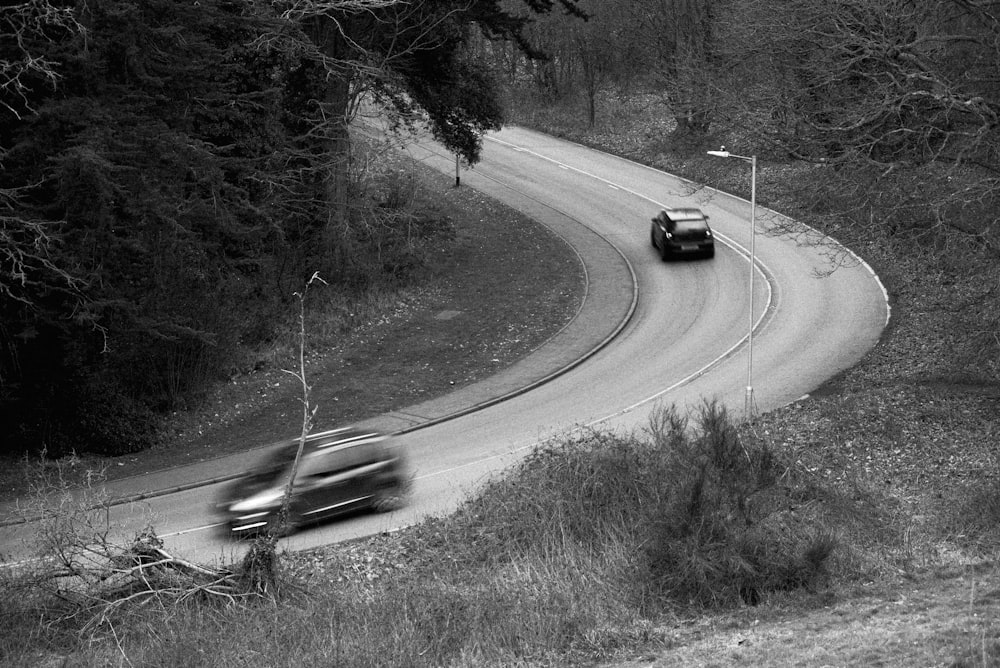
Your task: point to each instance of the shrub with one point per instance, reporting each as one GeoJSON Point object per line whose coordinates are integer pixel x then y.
{"type": "Point", "coordinates": [724, 529]}
{"type": "Point", "coordinates": [707, 512]}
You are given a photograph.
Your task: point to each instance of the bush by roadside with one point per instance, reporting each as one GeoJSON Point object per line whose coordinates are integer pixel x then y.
{"type": "Point", "coordinates": [577, 555]}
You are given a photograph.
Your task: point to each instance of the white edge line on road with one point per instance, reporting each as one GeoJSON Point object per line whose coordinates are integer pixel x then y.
{"type": "Point", "coordinates": [759, 266]}
{"type": "Point", "coordinates": [740, 249]}
{"type": "Point", "coordinates": [857, 258]}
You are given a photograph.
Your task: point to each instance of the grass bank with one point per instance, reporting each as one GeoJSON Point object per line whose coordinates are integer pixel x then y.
{"type": "Point", "coordinates": [591, 548]}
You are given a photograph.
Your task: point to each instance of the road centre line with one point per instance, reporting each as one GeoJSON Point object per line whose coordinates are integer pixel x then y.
{"type": "Point", "coordinates": [760, 267]}
{"type": "Point", "coordinates": [728, 241]}
{"type": "Point", "coordinates": [736, 246]}
{"type": "Point", "coordinates": [763, 271]}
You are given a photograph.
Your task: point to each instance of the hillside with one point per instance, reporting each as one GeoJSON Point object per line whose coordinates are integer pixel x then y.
{"type": "Point", "coordinates": [902, 437]}
{"type": "Point", "coordinates": [172, 178]}
{"type": "Point", "coordinates": [915, 422]}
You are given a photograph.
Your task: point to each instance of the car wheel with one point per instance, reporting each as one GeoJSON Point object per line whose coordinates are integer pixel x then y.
{"type": "Point", "coordinates": [652, 237]}
{"type": "Point", "coordinates": [389, 498]}
{"type": "Point", "coordinates": [710, 253]}
{"type": "Point", "coordinates": [664, 253]}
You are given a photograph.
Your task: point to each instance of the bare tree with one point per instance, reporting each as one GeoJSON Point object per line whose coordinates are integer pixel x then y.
{"type": "Point", "coordinates": [904, 93]}
{"type": "Point", "coordinates": [595, 48]}
{"type": "Point", "coordinates": [680, 39]}
{"type": "Point", "coordinates": [308, 412]}
{"type": "Point", "coordinates": [25, 70]}
{"type": "Point", "coordinates": [587, 56]}
{"type": "Point", "coordinates": [883, 81]}
{"type": "Point", "coordinates": [27, 263]}
{"type": "Point", "coordinates": [896, 104]}
{"type": "Point", "coordinates": [24, 67]}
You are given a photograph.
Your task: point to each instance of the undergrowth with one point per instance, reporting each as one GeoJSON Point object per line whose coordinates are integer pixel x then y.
{"type": "Point", "coordinates": [578, 553]}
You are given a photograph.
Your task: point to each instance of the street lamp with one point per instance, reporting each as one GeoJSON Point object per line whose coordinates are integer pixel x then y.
{"type": "Point", "coordinates": [723, 153]}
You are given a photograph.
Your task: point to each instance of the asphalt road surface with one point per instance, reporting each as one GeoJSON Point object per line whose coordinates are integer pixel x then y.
{"type": "Point", "coordinates": [650, 333]}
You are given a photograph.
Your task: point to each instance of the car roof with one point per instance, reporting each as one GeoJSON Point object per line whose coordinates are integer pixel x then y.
{"type": "Point", "coordinates": [351, 442]}
{"type": "Point", "coordinates": [339, 439]}
{"type": "Point", "coordinates": [328, 441]}
{"type": "Point", "coordinates": [685, 214]}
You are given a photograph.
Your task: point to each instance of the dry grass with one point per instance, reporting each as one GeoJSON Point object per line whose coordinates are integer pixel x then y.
{"type": "Point", "coordinates": [560, 562]}
{"type": "Point", "coordinates": [563, 561]}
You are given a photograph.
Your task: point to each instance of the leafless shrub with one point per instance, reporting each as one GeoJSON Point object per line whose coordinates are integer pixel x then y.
{"type": "Point", "coordinates": [82, 571]}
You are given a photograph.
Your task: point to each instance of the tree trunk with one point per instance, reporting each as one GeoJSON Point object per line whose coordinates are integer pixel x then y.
{"type": "Point", "coordinates": [337, 143]}
{"type": "Point", "coordinates": [337, 232]}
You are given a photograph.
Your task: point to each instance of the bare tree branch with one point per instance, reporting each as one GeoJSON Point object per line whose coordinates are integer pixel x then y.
{"type": "Point", "coordinates": [22, 67]}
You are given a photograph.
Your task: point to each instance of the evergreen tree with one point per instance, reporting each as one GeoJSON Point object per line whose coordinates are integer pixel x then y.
{"type": "Point", "coordinates": [411, 57]}
{"type": "Point", "coordinates": [143, 163]}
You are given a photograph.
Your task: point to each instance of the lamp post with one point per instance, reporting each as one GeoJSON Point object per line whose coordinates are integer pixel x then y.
{"type": "Point", "coordinates": [723, 153]}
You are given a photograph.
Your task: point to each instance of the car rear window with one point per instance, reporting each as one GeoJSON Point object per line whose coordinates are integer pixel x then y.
{"type": "Point", "coordinates": [691, 225]}
{"type": "Point", "coordinates": [323, 456]}
{"type": "Point", "coordinates": [337, 458]}
{"type": "Point", "coordinates": [355, 455]}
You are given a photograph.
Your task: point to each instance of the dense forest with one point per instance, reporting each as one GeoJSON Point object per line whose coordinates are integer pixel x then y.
{"type": "Point", "coordinates": [172, 174]}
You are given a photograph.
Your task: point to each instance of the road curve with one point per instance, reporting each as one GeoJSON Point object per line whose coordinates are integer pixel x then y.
{"type": "Point", "coordinates": [666, 333]}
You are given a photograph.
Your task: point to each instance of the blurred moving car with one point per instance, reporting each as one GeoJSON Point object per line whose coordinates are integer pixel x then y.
{"type": "Point", "coordinates": [341, 471]}
{"type": "Point", "coordinates": [681, 232]}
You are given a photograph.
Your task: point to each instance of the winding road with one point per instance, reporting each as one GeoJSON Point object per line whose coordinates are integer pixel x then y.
{"type": "Point", "coordinates": [648, 333]}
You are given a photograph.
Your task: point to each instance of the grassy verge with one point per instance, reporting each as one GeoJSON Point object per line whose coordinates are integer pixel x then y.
{"type": "Point", "coordinates": [686, 544]}
{"type": "Point", "coordinates": [578, 555]}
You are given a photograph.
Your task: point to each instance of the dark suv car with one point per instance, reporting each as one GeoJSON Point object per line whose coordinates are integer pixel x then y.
{"type": "Point", "coordinates": [682, 232]}
{"type": "Point", "coordinates": [341, 471]}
